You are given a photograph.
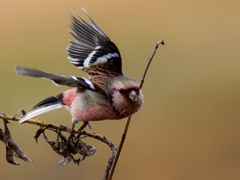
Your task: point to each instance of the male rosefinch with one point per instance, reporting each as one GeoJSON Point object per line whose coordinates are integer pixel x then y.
{"type": "Point", "coordinates": [108, 94]}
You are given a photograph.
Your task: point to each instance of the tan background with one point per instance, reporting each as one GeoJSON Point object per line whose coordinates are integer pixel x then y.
{"type": "Point", "coordinates": [188, 128]}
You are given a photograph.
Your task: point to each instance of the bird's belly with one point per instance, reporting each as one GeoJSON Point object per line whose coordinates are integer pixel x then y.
{"type": "Point", "coordinates": [91, 107]}
{"type": "Point", "coordinates": [94, 114]}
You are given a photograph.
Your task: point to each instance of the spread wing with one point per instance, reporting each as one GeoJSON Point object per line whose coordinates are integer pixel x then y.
{"type": "Point", "coordinates": [92, 51]}
{"type": "Point", "coordinates": [60, 80]}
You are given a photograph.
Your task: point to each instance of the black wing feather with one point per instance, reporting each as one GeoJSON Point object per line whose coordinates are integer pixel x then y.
{"type": "Point", "coordinates": [92, 47]}
{"type": "Point", "coordinates": [70, 81]}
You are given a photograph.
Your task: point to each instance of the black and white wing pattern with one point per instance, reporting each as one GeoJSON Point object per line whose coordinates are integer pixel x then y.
{"type": "Point", "coordinates": [72, 81]}
{"type": "Point", "coordinates": [92, 51]}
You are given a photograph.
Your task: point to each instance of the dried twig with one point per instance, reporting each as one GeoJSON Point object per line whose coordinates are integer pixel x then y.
{"type": "Point", "coordinates": [129, 118]}
{"type": "Point", "coordinates": [68, 130]}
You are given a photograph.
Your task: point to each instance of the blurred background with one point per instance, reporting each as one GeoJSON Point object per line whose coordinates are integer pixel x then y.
{"type": "Point", "coordinates": [189, 125]}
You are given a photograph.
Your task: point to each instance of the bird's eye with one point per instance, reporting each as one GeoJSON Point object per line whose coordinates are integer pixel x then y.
{"type": "Point", "coordinates": [121, 91]}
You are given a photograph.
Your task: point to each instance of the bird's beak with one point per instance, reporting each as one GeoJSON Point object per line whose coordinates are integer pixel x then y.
{"type": "Point", "coordinates": [133, 96]}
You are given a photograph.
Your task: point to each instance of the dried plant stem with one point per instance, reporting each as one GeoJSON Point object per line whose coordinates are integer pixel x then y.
{"type": "Point", "coordinates": [124, 134]}
{"type": "Point", "coordinates": [149, 62]}
{"type": "Point", "coordinates": [67, 129]}
{"type": "Point", "coordinates": [129, 118]}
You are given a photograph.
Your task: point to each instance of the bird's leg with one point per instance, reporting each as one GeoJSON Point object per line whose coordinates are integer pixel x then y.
{"type": "Point", "coordinates": [89, 126]}
{"type": "Point", "coordinates": [85, 123]}
{"type": "Point", "coordinates": [73, 127]}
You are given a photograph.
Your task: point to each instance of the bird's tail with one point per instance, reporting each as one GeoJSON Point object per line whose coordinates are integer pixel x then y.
{"type": "Point", "coordinates": [46, 105]}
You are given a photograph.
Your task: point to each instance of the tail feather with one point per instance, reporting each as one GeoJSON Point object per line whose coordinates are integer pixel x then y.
{"type": "Point", "coordinates": [44, 106]}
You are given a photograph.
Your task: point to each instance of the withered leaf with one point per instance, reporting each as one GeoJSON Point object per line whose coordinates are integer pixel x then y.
{"type": "Point", "coordinates": [9, 156]}
{"type": "Point", "coordinates": [67, 147]}
{"type": "Point", "coordinates": [37, 134]}
{"type": "Point", "coordinates": [60, 148]}
{"type": "Point", "coordinates": [12, 148]}
{"type": "Point", "coordinates": [64, 160]}
{"type": "Point", "coordinates": [90, 150]}
{"type": "Point", "coordinates": [23, 111]}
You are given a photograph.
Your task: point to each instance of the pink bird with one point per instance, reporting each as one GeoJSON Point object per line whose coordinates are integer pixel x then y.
{"type": "Point", "coordinates": [108, 94]}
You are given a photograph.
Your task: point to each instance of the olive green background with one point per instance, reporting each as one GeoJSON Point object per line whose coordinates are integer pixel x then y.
{"type": "Point", "coordinates": [189, 125]}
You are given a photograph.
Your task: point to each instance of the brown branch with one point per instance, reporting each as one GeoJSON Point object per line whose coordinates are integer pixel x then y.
{"type": "Point", "coordinates": [129, 118]}
{"type": "Point", "coordinates": [149, 62]}
{"type": "Point", "coordinates": [68, 130]}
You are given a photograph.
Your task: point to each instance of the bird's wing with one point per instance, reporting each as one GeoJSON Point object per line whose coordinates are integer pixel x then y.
{"type": "Point", "coordinates": [92, 51]}
{"type": "Point", "coordinates": [72, 81]}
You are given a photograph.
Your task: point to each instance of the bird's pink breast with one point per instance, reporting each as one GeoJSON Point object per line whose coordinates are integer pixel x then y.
{"type": "Point", "coordinates": [68, 97]}
{"type": "Point", "coordinates": [83, 110]}
{"type": "Point", "coordinates": [94, 114]}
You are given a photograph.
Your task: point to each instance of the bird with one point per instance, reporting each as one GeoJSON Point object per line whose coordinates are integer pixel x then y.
{"type": "Point", "coordinates": [106, 95]}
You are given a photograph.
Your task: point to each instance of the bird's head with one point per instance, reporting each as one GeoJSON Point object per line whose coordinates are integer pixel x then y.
{"type": "Point", "coordinates": [126, 96]}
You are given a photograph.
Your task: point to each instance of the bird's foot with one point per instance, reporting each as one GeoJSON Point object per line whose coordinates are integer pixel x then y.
{"type": "Point", "coordinates": [85, 123]}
